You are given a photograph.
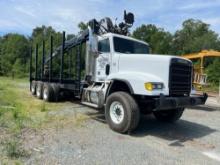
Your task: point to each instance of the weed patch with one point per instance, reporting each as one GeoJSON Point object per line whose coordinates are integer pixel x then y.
{"type": "Point", "coordinates": [13, 149]}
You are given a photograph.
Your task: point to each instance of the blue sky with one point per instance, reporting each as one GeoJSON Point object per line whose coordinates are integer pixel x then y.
{"type": "Point", "coordinates": [21, 16]}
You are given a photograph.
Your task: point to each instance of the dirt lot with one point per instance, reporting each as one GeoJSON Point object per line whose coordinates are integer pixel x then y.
{"type": "Point", "coordinates": [81, 136]}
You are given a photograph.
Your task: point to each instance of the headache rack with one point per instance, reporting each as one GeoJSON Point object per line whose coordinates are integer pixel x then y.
{"type": "Point", "coordinates": [68, 75]}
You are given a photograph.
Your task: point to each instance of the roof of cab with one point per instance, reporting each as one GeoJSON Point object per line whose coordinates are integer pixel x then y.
{"type": "Point", "coordinates": [123, 36]}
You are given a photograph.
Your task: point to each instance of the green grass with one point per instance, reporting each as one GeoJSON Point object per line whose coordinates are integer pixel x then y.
{"type": "Point", "coordinates": [20, 110]}
{"type": "Point", "coordinates": [13, 108]}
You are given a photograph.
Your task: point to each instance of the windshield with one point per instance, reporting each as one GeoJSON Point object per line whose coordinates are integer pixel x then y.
{"type": "Point", "coordinates": [122, 45]}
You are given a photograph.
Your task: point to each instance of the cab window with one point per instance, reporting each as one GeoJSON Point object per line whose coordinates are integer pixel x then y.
{"type": "Point", "coordinates": [104, 46]}
{"type": "Point", "coordinates": [127, 46]}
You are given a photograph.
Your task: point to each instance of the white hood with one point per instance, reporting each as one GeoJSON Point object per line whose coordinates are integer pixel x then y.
{"type": "Point", "coordinates": [141, 68]}
{"type": "Point", "coordinates": [156, 65]}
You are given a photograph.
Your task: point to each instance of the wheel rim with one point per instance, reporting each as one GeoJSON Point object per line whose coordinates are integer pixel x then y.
{"type": "Point", "coordinates": [116, 112]}
{"type": "Point", "coordinates": [45, 94]}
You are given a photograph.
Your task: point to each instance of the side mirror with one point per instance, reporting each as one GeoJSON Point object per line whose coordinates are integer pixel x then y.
{"type": "Point", "coordinates": [129, 18]}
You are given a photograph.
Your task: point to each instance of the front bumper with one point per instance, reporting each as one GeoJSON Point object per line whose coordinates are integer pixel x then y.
{"type": "Point", "coordinates": [165, 103]}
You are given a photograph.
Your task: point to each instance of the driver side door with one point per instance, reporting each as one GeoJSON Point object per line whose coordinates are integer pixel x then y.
{"type": "Point", "coordinates": [103, 60]}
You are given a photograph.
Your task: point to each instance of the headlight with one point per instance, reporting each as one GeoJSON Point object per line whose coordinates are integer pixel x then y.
{"type": "Point", "coordinates": [153, 86]}
{"type": "Point", "coordinates": [148, 86]}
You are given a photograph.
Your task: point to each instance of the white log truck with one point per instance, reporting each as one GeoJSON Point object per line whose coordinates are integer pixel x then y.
{"type": "Point", "coordinates": [121, 76]}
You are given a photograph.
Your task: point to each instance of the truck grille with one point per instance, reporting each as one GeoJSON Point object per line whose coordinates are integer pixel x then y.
{"type": "Point", "coordinates": [180, 80]}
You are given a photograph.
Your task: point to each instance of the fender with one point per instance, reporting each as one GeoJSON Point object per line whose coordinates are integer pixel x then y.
{"type": "Point", "coordinates": [120, 80]}
{"type": "Point", "coordinates": [135, 81]}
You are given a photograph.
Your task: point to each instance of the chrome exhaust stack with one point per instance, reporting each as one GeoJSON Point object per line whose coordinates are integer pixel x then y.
{"type": "Point", "coordinates": [91, 55]}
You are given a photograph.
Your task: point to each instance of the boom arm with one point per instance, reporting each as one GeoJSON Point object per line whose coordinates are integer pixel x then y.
{"type": "Point", "coordinates": [105, 25]}
{"type": "Point", "coordinates": [202, 54]}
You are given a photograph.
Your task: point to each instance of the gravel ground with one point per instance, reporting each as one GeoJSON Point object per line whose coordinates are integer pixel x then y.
{"type": "Point", "coordinates": [87, 139]}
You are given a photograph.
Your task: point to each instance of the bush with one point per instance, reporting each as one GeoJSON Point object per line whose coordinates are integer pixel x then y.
{"type": "Point", "coordinates": [213, 72]}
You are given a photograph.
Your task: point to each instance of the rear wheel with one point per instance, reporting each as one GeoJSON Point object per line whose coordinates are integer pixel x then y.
{"type": "Point", "coordinates": [33, 88]}
{"type": "Point", "coordinates": [48, 93]}
{"type": "Point", "coordinates": [122, 112]}
{"type": "Point", "coordinates": [56, 90]}
{"type": "Point", "coordinates": [169, 115]}
{"type": "Point", "coordinates": [39, 90]}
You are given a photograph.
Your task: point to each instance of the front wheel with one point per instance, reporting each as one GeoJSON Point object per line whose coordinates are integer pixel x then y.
{"type": "Point", "coordinates": [122, 112]}
{"type": "Point", "coordinates": [169, 115]}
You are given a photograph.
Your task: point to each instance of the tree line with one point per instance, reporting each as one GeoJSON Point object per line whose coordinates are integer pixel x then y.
{"type": "Point", "coordinates": [193, 36]}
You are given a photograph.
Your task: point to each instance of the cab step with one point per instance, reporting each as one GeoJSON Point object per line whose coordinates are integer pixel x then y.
{"type": "Point", "coordinates": [90, 104]}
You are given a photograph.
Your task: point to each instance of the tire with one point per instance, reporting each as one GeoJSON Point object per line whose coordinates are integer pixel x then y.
{"type": "Point", "coordinates": [48, 93]}
{"type": "Point", "coordinates": [169, 115]}
{"type": "Point", "coordinates": [33, 88]}
{"type": "Point", "coordinates": [128, 115]}
{"type": "Point", "coordinates": [56, 90]}
{"type": "Point", "coordinates": [39, 90]}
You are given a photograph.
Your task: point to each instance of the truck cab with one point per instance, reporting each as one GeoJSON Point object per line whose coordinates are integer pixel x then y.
{"type": "Point", "coordinates": [129, 60]}
{"type": "Point", "coordinates": [111, 47]}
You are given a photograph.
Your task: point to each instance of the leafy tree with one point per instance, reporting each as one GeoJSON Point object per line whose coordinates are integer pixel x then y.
{"type": "Point", "coordinates": [158, 39]}
{"type": "Point", "coordinates": [1, 56]}
{"type": "Point", "coordinates": [82, 26]}
{"type": "Point", "coordinates": [70, 36]}
{"type": "Point", "coordinates": [43, 33]}
{"type": "Point", "coordinates": [14, 47]}
{"type": "Point", "coordinates": [213, 72]}
{"type": "Point", "coordinates": [194, 36]}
